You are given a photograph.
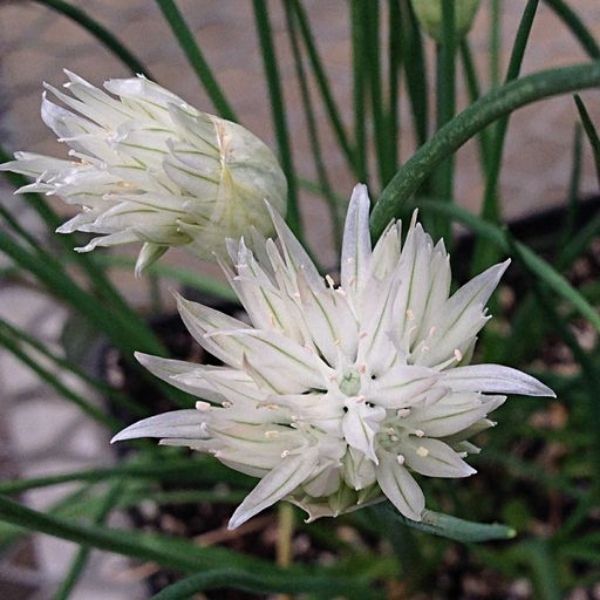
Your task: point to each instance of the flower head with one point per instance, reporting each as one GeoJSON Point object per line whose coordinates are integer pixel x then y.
{"type": "Point", "coordinates": [339, 396]}
{"type": "Point", "coordinates": [429, 15]}
{"type": "Point", "coordinates": [146, 166]}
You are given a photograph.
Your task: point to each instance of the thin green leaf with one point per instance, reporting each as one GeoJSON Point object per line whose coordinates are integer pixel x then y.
{"type": "Point", "coordinates": [495, 42]}
{"type": "Point", "coordinates": [80, 561]}
{"type": "Point", "coordinates": [101, 33]}
{"type": "Point", "coordinates": [167, 469]}
{"type": "Point", "coordinates": [474, 91]}
{"type": "Point", "coordinates": [117, 397]}
{"type": "Point", "coordinates": [175, 553]}
{"type": "Point", "coordinates": [415, 70]}
{"type": "Point", "coordinates": [590, 132]}
{"type": "Point", "coordinates": [572, 20]}
{"type": "Point", "coordinates": [196, 59]}
{"type": "Point", "coordinates": [497, 103]}
{"type": "Point", "coordinates": [51, 379]}
{"type": "Point", "coordinates": [370, 23]}
{"type": "Point", "coordinates": [532, 261]}
{"type": "Point", "coordinates": [454, 528]}
{"type": "Point", "coordinates": [202, 283]}
{"type": "Point", "coordinates": [572, 196]}
{"type": "Point", "coordinates": [445, 84]}
{"type": "Point", "coordinates": [269, 58]}
{"type": "Point", "coordinates": [323, 86]}
{"type": "Point", "coordinates": [275, 583]}
{"type": "Point", "coordinates": [311, 124]}
{"type": "Point", "coordinates": [167, 551]}
{"type": "Point", "coordinates": [484, 255]}
{"type": "Point", "coordinates": [396, 53]}
{"type": "Point", "coordinates": [590, 373]}
{"type": "Point", "coordinates": [359, 81]}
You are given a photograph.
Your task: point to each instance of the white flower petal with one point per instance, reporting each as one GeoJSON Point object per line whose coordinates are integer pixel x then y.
{"type": "Point", "coordinates": [401, 386]}
{"type": "Point", "coordinates": [281, 481]}
{"type": "Point", "coordinates": [356, 246]}
{"type": "Point", "coordinates": [296, 257]}
{"type": "Point", "coordinates": [184, 424]}
{"type": "Point", "coordinates": [434, 458]}
{"type": "Point", "coordinates": [495, 379]}
{"type": "Point", "coordinates": [452, 413]}
{"type": "Point", "coordinates": [400, 487]}
{"type": "Point", "coordinates": [201, 320]}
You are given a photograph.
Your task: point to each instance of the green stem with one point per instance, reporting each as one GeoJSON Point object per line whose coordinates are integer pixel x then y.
{"type": "Point", "coordinates": [370, 22]}
{"type": "Point", "coordinates": [484, 255]}
{"type": "Point", "coordinates": [323, 85]}
{"type": "Point", "coordinates": [571, 19]}
{"type": "Point", "coordinates": [81, 558]}
{"type": "Point", "coordinates": [396, 53]}
{"type": "Point", "coordinates": [104, 389]}
{"type": "Point", "coordinates": [311, 125]}
{"type": "Point", "coordinates": [285, 532]}
{"type": "Point", "coordinates": [196, 59]}
{"type": "Point", "coordinates": [167, 469]}
{"type": "Point", "coordinates": [103, 35]}
{"type": "Point", "coordinates": [269, 57]}
{"type": "Point", "coordinates": [590, 132]}
{"type": "Point", "coordinates": [452, 527]}
{"type": "Point", "coordinates": [474, 91]}
{"type": "Point", "coordinates": [51, 379]}
{"type": "Point", "coordinates": [445, 108]}
{"type": "Point", "coordinates": [497, 103]}
{"type": "Point", "coordinates": [416, 72]}
{"type": "Point", "coordinates": [358, 89]}
{"type": "Point", "coordinates": [495, 42]}
{"type": "Point", "coordinates": [537, 265]}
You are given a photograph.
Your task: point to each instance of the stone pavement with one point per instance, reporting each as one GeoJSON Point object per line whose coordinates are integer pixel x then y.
{"type": "Point", "coordinates": [35, 44]}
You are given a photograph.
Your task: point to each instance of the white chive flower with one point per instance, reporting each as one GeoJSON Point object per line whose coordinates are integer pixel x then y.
{"type": "Point", "coordinates": [147, 167]}
{"type": "Point", "coordinates": [337, 396]}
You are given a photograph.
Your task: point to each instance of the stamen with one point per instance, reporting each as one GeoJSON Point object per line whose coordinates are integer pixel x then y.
{"type": "Point", "coordinates": [422, 451]}
{"type": "Point", "coordinates": [419, 433]}
{"type": "Point", "coordinates": [400, 459]}
{"type": "Point", "coordinates": [362, 368]}
{"type": "Point", "coordinates": [285, 453]}
{"type": "Point", "coordinates": [271, 434]}
{"type": "Point", "coordinates": [403, 412]}
{"type": "Point", "coordinates": [432, 331]}
{"type": "Point", "coordinates": [329, 280]}
{"type": "Point", "coordinates": [226, 404]}
{"type": "Point", "coordinates": [410, 315]}
{"type": "Point", "coordinates": [362, 335]}
{"type": "Point", "coordinates": [202, 406]}
{"type": "Point", "coordinates": [458, 355]}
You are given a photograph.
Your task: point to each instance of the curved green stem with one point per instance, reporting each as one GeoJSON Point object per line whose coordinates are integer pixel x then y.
{"type": "Point", "coordinates": [103, 35]}
{"type": "Point", "coordinates": [497, 103]}
{"type": "Point", "coordinates": [572, 20]}
{"type": "Point", "coordinates": [190, 47]}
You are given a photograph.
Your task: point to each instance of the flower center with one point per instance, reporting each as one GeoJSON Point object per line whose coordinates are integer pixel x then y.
{"type": "Point", "coordinates": [350, 384]}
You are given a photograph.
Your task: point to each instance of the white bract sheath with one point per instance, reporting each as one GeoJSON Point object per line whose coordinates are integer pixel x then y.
{"type": "Point", "coordinates": [146, 166]}
{"type": "Point", "coordinates": [335, 397]}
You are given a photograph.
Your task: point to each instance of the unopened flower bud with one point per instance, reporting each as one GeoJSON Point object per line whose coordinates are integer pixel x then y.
{"type": "Point", "coordinates": [147, 167]}
{"type": "Point", "coordinates": [429, 15]}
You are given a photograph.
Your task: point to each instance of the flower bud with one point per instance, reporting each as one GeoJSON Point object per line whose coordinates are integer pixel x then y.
{"type": "Point", "coordinates": [148, 167]}
{"type": "Point", "coordinates": [429, 15]}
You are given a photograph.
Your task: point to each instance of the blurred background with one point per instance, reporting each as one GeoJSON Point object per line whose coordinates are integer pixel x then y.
{"type": "Point", "coordinates": [38, 434]}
